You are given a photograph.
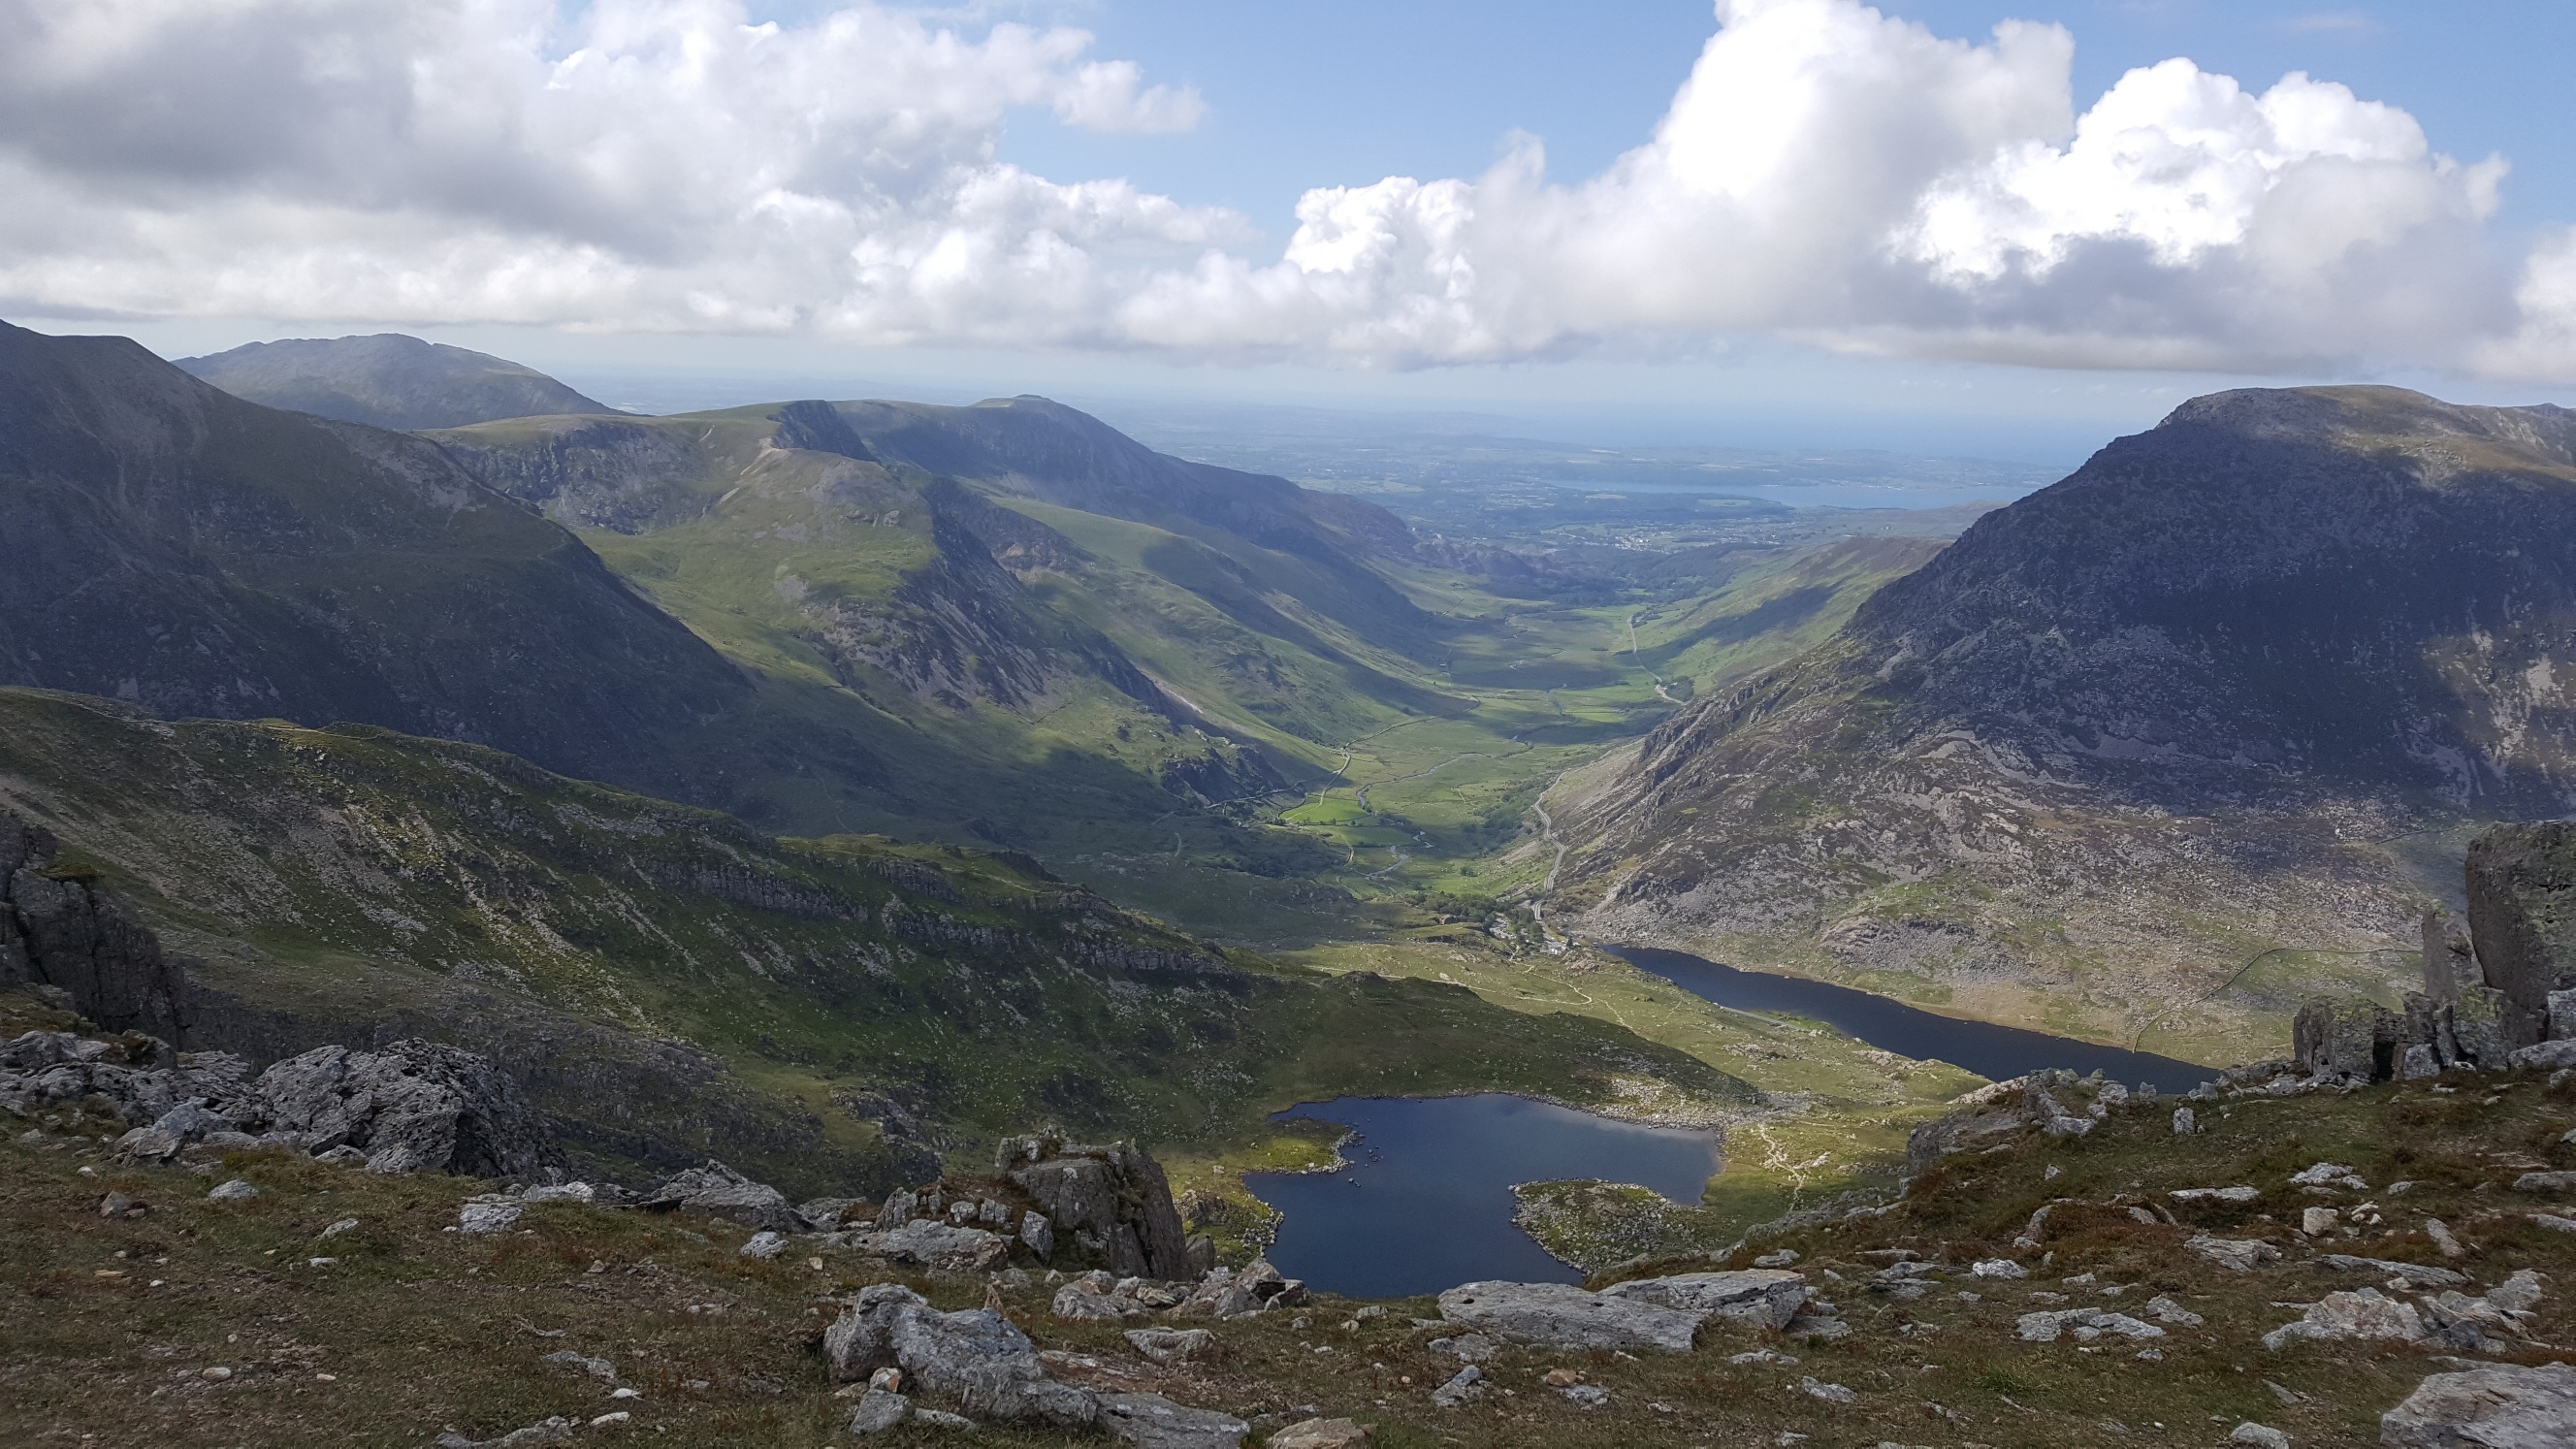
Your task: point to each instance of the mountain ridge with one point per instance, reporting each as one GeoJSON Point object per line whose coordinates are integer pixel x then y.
{"type": "Point", "coordinates": [388, 380]}
{"type": "Point", "coordinates": [2165, 721]}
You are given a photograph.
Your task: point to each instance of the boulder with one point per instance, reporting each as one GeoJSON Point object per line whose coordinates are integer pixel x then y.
{"type": "Point", "coordinates": [975, 1355]}
{"type": "Point", "coordinates": [1038, 1235]}
{"type": "Point", "coordinates": [59, 930]}
{"type": "Point", "coordinates": [2343, 1316]}
{"type": "Point", "coordinates": [443, 1108]}
{"type": "Point", "coordinates": [1171, 1345]}
{"type": "Point", "coordinates": [1759, 1297]}
{"type": "Point", "coordinates": [1560, 1315]}
{"type": "Point", "coordinates": [2351, 1038]}
{"type": "Point", "coordinates": [2241, 1254]}
{"type": "Point", "coordinates": [878, 1411]}
{"type": "Point", "coordinates": [1465, 1385]}
{"type": "Point", "coordinates": [719, 1191]}
{"type": "Point", "coordinates": [2546, 1056]}
{"type": "Point", "coordinates": [2084, 1323]}
{"type": "Point", "coordinates": [1150, 1421]}
{"type": "Point", "coordinates": [2505, 1407]}
{"type": "Point", "coordinates": [944, 1246]}
{"type": "Point", "coordinates": [1112, 1201]}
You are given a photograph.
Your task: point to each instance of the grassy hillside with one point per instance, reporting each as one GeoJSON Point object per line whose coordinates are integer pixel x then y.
{"type": "Point", "coordinates": [667, 982]}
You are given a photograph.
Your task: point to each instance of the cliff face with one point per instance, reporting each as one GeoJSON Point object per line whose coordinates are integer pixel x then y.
{"type": "Point", "coordinates": [176, 547]}
{"type": "Point", "coordinates": [58, 929]}
{"type": "Point", "coordinates": [2139, 729]}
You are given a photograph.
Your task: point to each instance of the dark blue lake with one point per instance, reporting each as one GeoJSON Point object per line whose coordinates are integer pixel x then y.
{"type": "Point", "coordinates": [1426, 1201]}
{"type": "Point", "coordinates": [1991, 1051]}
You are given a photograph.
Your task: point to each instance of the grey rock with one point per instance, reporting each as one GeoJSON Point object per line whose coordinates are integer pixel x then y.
{"type": "Point", "coordinates": [1759, 1297]}
{"type": "Point", "coordinates": [2184, 1124]}
{"type": "Point", "coordinates": [2366, 1314]}
{"type": "Point", "coordinates": [598, 1368]}
{"type": "Point", "coordinates": [2048, 1325]}
{"type": "Point", "coordinates": [823, 1214]}
{"type": "Point", "coordinates": [1150, 1421]}
{"type": "Point", "coordinates": [2416, 1272]}
{"type": "Point", "coordinates": [976, 1356]}
{"type": "Point", "coordinates": [2241, 1254]}
{"type": "Point", "coordinates": [1082, 1301]}
{"type": "Point", "coordinates": [2261, 1436]}
{"type": "Point", "coordinates": [900, 1207]}
{"type": "Point", "coordinates": [1115, 1196]}
{"type": "Point", "coordinates": [1170, 1345]}
{"type": "Point", "coordinates": [581, 1192]}
{"type": "Point", "coordinates": [1037, 1233]}
{"type": "Point", "coordinates": [944, 1246]}
{"type": "Point", "coordinates": [1817, 1325]}
{"type": "Point", "coordinates": [1320, 1434]}
{"type": "Point", "coordinates": [235, 1190]}
{"type": "Point", "coordinates": [449, 1108]}
{"type": "Point", "coordinates": [2165, 1310]}
{"type": "Point", "coordinates": [1560, 1315]}
{"type": "Point", "coordinates": [1471, 1347]}
{"type": "Point", "coordinates": [2237, 1194]}
{"type": "Point", "coordinates": [1830, 1393]}
{"type": "Point", "coordinates": [1466, 1384]}
{"type": "Point", "coordinates": [2546, 1056]}
{"type": "Point", "coordinates": [764, 1245]}
{"type": "Point", "coordinates": [878, 1411]}
{"type": "Point", "coordinates": [489, 1214]}
{"type": "Point", "coordinates": [2505, 1407]}
{"type": "Point", "coordinates": [719, 1191]}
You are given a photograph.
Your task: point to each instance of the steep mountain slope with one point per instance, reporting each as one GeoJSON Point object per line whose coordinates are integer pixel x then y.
{"type": "Point", "coordinates": [388, 381]}
{"type": "Point", "coordinates": [665, 982]}
{"type": "Point", "coordinates": [175, 546]}
{"type": "Point", "coordinates": [2147, 745]}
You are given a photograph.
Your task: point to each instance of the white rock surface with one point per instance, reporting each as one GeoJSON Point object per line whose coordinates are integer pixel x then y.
{"type": "Point", "coordinates": [1561, 1315]}
{"type": "Point", "coordinates": [1760, 1297]}
{"type": "Point", "coordinates": [2342, 1316]}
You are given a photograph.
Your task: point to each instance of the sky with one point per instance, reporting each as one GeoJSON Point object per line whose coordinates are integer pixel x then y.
{"type": "Point", "coordinates": [1951, 226]}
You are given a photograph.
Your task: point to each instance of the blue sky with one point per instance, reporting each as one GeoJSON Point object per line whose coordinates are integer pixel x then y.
{"type": "Point", "coordinates": [1843, 231]}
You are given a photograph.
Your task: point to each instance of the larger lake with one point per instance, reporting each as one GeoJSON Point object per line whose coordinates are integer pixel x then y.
{"type": "Point", "coordinates": [1425, 1203]}
{"type": "Point", "coordinates": [1992, 1051]}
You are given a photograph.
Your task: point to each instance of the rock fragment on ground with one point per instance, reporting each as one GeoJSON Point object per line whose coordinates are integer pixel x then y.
{"type": "Point", "coordinates": [1320, 1434]}
{"type": "Point", "coordinates": [1150, 1421]}
{"type": "Point", "coordinates": [2367, 1314]}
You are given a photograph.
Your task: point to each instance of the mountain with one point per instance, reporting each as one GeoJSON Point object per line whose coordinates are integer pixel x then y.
{"type": "Point", "coordinates": [2154, 746]}
{"type": "Point", "coordinates": [177, 547]}
{"type": "Point", "coordinates": [666, 983]}
{"type": "Point", "coordinates": [388, 381]}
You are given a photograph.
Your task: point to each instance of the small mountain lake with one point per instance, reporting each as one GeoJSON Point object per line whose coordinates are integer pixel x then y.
{"type": "Point", "coordinates": [1426, 1204]}
{"type": "Point", "coordinates": [1991, 1051]}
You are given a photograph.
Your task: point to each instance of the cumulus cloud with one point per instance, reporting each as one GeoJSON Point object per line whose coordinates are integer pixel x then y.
{"type": "Point", "coordinates": [638, 163]}
{"type": "Point", "coordinates": [1826, 171]}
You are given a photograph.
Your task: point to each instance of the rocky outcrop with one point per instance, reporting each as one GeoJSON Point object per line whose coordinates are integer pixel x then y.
{"type": "Point", "coordinates": [415, 1106]}
{"type": "Point", "coordinates": [2508, 986]}
{"type": "Point", "coordinates": [1112, 1203]}
{"type": "Point", "coordinates": [57, 928]}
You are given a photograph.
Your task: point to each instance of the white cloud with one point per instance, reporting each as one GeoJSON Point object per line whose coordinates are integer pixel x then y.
{"type": "Point", "coordinates": [1826, 171]}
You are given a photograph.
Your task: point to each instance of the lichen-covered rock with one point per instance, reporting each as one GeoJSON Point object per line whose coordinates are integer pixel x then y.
{"type": "Point", "coordinates": [443, 1108]}
{"type": "Point", "coordinates": [2366, 1314]}
{"type": "Point", "coordinates": [943, 1246]}
{"type": "Point", "coordinates": [975, 1356]}
{"type": "Point", "coordinates": [1759, 1297]}
{"type": "Point", "coordinates": [1150, 1421]}
{"type": "Point", "coordinates": [1113, 1202]}
{"type": "Point", "coordinates": [2505, 1407]}
{"type": "Point", "coordinates": [1560, 1315]}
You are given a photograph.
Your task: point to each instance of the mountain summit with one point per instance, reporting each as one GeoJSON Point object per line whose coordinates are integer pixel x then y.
{"type": "Point", "coordinates": [388, 380]}
{"type": "Point", "coordinates": [2129, 732]}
